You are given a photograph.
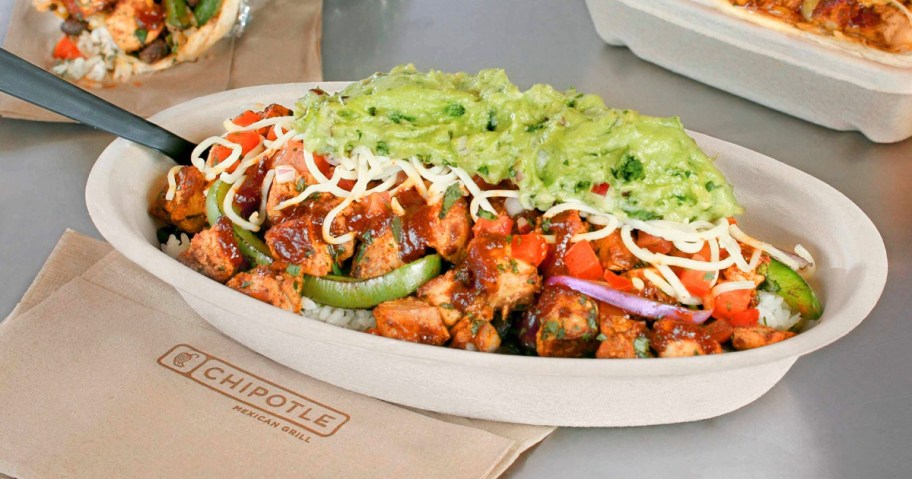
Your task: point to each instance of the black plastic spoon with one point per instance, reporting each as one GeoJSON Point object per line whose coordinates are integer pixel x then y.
{"type": "Point", "coordinates": [38, 87]}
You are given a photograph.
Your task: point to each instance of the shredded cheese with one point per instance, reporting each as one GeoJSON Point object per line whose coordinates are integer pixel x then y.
{"type": "Point", "coordinates": [730, 286]}
{"type": "Point", "coordinates": [172, 183]}
{"type": "Point", "coordinates": [228, 207]}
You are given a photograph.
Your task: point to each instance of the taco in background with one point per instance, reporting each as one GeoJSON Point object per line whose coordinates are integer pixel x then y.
{"type": "Point", "coordinates": [879, 30]}
{"type": "Point", "coordinates": [109, 41]}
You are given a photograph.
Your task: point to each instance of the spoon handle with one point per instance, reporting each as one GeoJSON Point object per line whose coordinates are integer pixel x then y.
{"type": "Point", "coordinates": [23, 80]}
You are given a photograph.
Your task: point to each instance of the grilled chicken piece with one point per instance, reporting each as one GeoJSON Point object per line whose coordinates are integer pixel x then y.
{"type": "Point", "coordinates": [619, 333]}
{"type": "Point", "coordinates": [449, 235]}
{"type": "Point", "coordinates": [757, 336]}
{"type": "Point", "coordinates": [674, 338]}
{"type": "Point", "coordinates": [214, 252]}
{"type": "Point", "coordinates": [506, 283]}
{"type": "Point", "coordinates": [291, 154]}
{"type": "Point", "coordinates": [475, 335]}
{"type": "Point", "coordinates": [274, 287]}
{"type": "Point", "coordinates": [187, 210]}
{"type": "Point", "coordinates": [439, 292]}
{"type": "Point", "coordinates": [124, 22]}
{"type": "Point", "coordinates": [377, 255]}
{"type": "Point", "coordinates": [613, 254]}
{"type": "Point", "coordinates": [300, 242]}
{"type": "Point", "coordinates": [568, 323]}
{"type": "Point", "coordinates": [411, 319]}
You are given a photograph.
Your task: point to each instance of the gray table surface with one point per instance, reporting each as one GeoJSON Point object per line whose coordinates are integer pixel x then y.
{"type": "Point", "coordinates": [844, 411]}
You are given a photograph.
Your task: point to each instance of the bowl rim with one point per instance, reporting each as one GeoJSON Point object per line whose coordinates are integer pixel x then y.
{"type": "Point", "coordinates": [133, 245]}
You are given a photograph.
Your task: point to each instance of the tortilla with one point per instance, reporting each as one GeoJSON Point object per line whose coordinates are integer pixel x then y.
{"type": "Point", "coordinates": [902, 56]}
{"type": "Point", "coordinates": [105, 36]}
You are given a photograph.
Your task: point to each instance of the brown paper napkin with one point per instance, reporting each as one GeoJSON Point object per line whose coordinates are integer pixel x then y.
{"type": "Point", "coordinates": [281, 44]}
{"type": "Point", "coordinates": [112, 375]}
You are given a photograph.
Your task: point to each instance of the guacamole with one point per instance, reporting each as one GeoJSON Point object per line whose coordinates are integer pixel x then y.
{"type": "Point", "coordinates": [555, 146]}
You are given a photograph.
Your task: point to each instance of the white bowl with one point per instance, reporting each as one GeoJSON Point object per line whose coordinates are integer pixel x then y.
{"type": "Point", "coordinates": [779, 68]}
{"type": "Point", "coordinates": [783, 205]}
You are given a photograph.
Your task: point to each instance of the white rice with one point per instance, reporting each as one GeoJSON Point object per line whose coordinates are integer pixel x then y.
{"type": "Point", "coordinates": [175, 246]}
{"type": "Point", "coordinates": [99, 49]}
{"type": "Point", "coordinates": [774, 312]}
{"type": "Point", "coordinates": [358, 319]}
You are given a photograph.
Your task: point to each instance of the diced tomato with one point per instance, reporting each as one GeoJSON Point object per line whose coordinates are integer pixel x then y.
{"type": "Point", "coordinates": [582, 262]}
{"type": "Point", "coordinates": [271, 134]}
{"type": "Point", "coordinates": [617, 282]}
{"type": "Point", "coordinates": [732, 220]}
{"type": "Point", "coordinates": [653, 243]}
{"type": "Point", "coordinates": [247, 118]}
{"type": "Point", "coordinates": [601, 189]}
{"type": "Point", "coordinates": [325, 167]}
{"type": "Point", "coordinates": [727, 304]}
{"type": "Point", "coordinates": [746, 318]}
{"type": "Point", "coordinates": [696, 282]}
{"type": "Point", "coordinates": [530, 248]}
{"type": "Point", "coordinates": [502, 225]}
{"type": "Point", "coordinates": [247, 139]}
{"type": "Point", "coordinates": [66, 49]}
{"type": "Point", "coordinates": [704, 254]}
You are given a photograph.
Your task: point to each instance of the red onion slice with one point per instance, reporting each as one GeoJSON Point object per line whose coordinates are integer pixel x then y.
{"type": "Point", "coordinates": [629, 302]}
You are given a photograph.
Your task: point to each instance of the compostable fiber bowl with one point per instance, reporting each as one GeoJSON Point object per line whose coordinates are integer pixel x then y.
{"type": "Point", "coordinates": [851, 272]}
{"type": "Point", "coordinates": [805, 76]}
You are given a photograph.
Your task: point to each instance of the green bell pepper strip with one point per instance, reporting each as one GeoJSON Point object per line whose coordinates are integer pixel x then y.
{"type": "Point", "coordinates": [343, 292]}
{"type": "Point", "coordinates": [787, 283]}
{"type": "Point", "coordinates": [205, 10]}
{"type": "Point", "coordinates": [251, 247]}
{"type": "Point", "coordinates": [176, 13]}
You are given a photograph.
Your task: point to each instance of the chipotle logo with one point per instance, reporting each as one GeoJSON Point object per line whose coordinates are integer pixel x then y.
{"type": "Point", "coordinates": [253, 391]}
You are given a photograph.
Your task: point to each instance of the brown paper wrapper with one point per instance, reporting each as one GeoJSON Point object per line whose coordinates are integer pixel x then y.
{"type": "Point", "coordinates": [281, 44]}
{"type": "Point", "coordinates": [114, 374]}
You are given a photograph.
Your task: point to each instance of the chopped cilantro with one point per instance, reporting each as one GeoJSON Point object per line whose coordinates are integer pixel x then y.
{"type": "Point", "coordinates": [483, 169]}
{"type": "Point", "coordinates": [641, 346]}
{"type": "Point", "coordinates": [141, 34]}
{"type": "Point", "coordinates": [372, 111]}
{"type": "Point", "coordinates": [453, 193]}
{"type": "Point", "coordinates": [396, 226]}
{"type": "Point", "coordinates": [382, 148]}
{"type": "Point", "coordinates": [546, 226]}
{"type": "Point", "coordinates": [536, 126]}
{"type": "Point", "coordinates": [630, 169]}
{"type": "Point", "coordinates": [476, 325]}
{"type": "Point", "coordinates": [710, 186]}
{"type": "Point", "coordinates": [397, 117]}
{"type": "Point", "coordinates": [492, 121]}
{"type": "Point", "coordinates": [245, 285]}
{"type": "Point", "coordinates": [601, 337]}
{"type": "Point", "coordinates": [486, 214]}
{"type": "Point", "coordinates": [454, 110]}
{"type": "Point", "coordinates": [293, 269]}
{"type": "Point", "coordinates": [643, 215]}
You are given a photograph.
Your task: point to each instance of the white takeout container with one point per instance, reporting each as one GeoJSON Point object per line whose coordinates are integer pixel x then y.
{"type": "Point", "coordinates": [783, 205]}
{"type": "Point", "coordinates": [779, 68]}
